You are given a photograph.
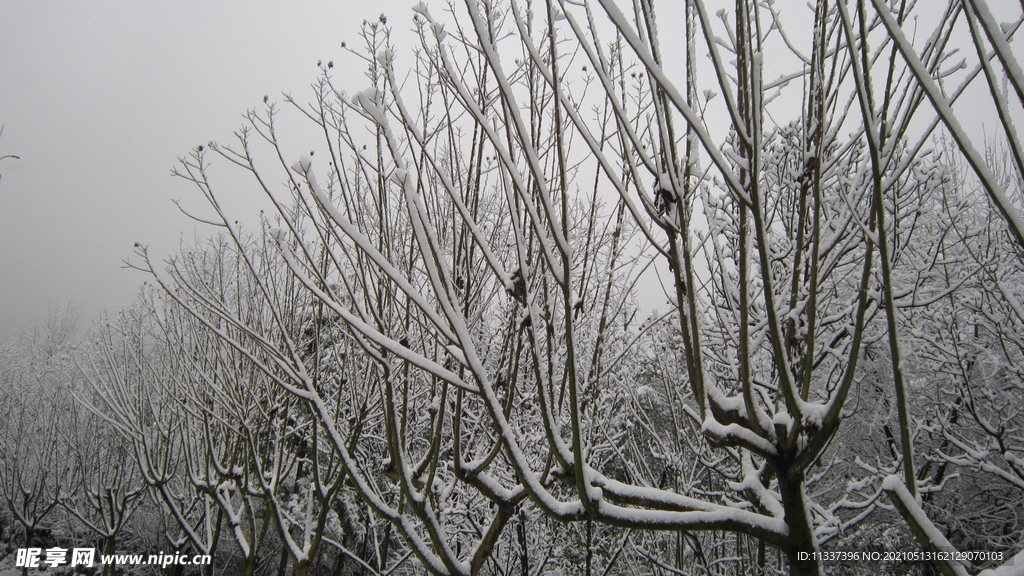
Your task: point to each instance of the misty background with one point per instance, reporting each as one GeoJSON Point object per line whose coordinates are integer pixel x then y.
{"type": "Point", "coordinates": [99, 99]}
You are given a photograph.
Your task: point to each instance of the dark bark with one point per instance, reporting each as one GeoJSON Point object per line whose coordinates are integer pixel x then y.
{"type": "Point", "coordinates": [801, 547]}
{"type": "Point", "coordinates": [108, 550]}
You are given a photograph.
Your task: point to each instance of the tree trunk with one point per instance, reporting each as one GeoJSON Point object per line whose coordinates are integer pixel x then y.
{"type": "Point", "coordinates": [283, 567]}
{"type": "Point", "coordinates": [176, 569]}
{"type": "Point", "coordinates": [28, 544]}
{"type": "Point", "coordinates": [108, 550]}
{"type": "Point", "coordinates": [801, 549]}
{"type": "Point", "coordinates": [525, 557]}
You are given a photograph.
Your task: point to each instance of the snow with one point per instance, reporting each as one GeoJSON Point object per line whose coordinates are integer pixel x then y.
{"type": "Point", "coordinates": [1012, 66]}
{"type": "Point", "coordinates": [372, 333]}
{"type": "Point", "coordinates": [386, 56]}
{"type": "Point", "coordinates": [897, 490]}
{"type": "Point", "coordinates": [572, 110]}
{"type": "Point", "coordinates": [399, 175]}
{"type": "Point", "coordinates": [532, 157]}
{"type": "Point", "coordinates": [813, 414]}
{"type": "Point", "coordinates": [457, 353]}
{"type": "Point", "coordinates": [934, 93]}
{"type": "Point", "coordinates": [665, 181]}
{"type": "Point", "coordinates": [694, 119]}
{"type": "Point", "coordinates": [728, 403]}
{"type": "Point", "coordinates": [302, 164]}
{"type": "Point", "coordinates": [368, 248]}
{"type": "Point", "coordinates": [453, 194]}
{"type": "Point", "coordinates": [783, 418]}
{"type": "Point", "coordinates": [438, 29]}
{"type": "Point", "coordinates": [368, 100]}
{"type": "Point", "coordinates": [734, 433]}
{"type": "Point", "coordinates": [694, 520]}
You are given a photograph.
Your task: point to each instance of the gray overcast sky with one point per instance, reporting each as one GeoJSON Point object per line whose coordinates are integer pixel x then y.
{"type": "Point", "coordinates": [100, 98]}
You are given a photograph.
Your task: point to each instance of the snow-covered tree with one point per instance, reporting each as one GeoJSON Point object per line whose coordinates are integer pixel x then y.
{"type": "Point", "coordinates": [975, 341]}
{"type": "Point", "coordinates": [233, 454]}
{"type": "Point", "coordinates": [454, 335]}
{"type": "Point", "coordinates": [37, 378]}
{"type": "Point", "coordinates": [134, 387]}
